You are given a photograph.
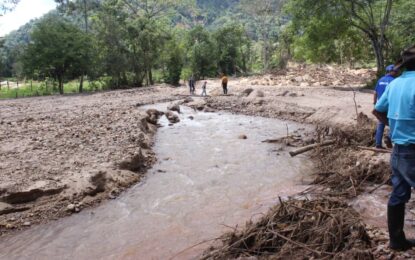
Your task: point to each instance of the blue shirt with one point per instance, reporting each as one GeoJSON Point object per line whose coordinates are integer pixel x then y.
{"type": "Point", "coordinates": [381, 85]}
{"type": "Point", "coordinates": [399, 103]}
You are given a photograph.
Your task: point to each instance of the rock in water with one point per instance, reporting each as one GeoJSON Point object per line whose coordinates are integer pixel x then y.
{"type": "Point", "coordinates": [172, 117]}
{"type": "Point", "coordinates": [154, 112]}
{"type": "Point", "coordinates": [174, 107]}
{"type": "Point", "coordinates": [209, 110]}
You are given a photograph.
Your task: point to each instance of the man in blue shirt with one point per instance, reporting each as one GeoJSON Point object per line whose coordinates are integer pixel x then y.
{"type": "Point", "coordinates": [396, 108]}
{"type": "Point", "coordinates": [379, 90]}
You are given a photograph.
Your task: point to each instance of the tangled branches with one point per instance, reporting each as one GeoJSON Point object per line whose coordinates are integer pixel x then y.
{"type": "Point", "coordinates": [320, 228]}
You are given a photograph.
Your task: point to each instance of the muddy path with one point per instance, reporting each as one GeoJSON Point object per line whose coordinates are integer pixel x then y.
{"type": "Point", "coordinates": [207, 179]}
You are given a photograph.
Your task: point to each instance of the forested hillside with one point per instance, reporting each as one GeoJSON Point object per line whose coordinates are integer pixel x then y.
{"type": "Point", "coordinates": [133, 43]}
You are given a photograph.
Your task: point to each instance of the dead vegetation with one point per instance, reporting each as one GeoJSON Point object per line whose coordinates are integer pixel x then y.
{"type": "Point", "coordinates": [298, 228]}
{"type": "Point", "coordinates": [343, 170]}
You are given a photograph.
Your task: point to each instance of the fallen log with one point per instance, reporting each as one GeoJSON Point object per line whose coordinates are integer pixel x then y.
{"type": "Point", "coordinates": [278, 140]}
{"type": "Point", "coordinates": [310, 147]}
{"type": "Point", "coordinates": [375, 149]}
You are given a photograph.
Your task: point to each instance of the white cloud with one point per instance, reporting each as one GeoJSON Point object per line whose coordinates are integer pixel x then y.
{"type": "Point", "coordinates": [23, 13]}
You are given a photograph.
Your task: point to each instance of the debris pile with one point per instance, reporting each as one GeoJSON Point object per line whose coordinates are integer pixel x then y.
{"type": "Point", "coordinates": [316, 76]}
{"type": "Point", "coordinates": [297, 228]}
{"type": "Point", "coordinates": [343, 170]}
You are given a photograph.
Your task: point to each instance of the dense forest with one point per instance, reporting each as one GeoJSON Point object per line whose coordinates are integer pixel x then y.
{"type": "Point", "coordinates": [131, 43]}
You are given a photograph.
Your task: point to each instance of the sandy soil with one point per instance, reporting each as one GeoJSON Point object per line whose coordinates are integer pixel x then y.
{"type": "Point", "coordinates": [61, 154]}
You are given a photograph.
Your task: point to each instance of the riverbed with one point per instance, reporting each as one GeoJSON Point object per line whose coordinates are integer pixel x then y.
{"type": "Point", "coordinates": [207, 181]}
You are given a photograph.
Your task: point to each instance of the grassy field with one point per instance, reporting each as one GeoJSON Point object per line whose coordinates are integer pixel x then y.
{"type": "Point", "coordinates": [35, 88]}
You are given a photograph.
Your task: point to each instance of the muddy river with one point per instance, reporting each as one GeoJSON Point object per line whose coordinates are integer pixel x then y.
{"type": "Point", "coordinates": [206, 181]}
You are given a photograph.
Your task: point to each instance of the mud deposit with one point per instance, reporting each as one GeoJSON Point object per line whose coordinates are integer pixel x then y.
{"type": "Point", "coordinates": [207, 180]}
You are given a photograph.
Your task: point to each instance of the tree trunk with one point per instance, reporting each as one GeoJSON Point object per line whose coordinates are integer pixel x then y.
{"type": "Point", "coordinates": [150, 77]}
{"type": "Point", "coordinates": [146, 76]}
{"type": "Point", "coordinates": [81, 84]}
{"type": "Point", "coordinates": [86, 17]}
{"type": "Point", "coordinates": [380, 61]}
{"type": "Point", "coordinates": [60, 82]}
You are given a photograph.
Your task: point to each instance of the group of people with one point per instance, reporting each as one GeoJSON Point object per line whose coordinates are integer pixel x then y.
{"type": "Point", "coordinates": [395, 106]}
{"type": "Point", "coordinates": [192, 86]}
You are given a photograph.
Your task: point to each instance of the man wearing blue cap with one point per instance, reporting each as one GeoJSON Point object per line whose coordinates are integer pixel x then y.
{"type": "Point", "coordinates": [380, 88]}
{"type": "Point", "coordinates": [396, 108]}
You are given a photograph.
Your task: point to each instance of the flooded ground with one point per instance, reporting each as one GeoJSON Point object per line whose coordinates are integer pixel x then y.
{"type": "Point", "coordinates": [373, 209]}
{"type": "Point", "coordinates": [206, 181]}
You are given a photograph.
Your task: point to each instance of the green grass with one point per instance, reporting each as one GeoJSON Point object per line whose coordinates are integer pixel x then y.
{"type": "Point", "coordinates": [28, 89]}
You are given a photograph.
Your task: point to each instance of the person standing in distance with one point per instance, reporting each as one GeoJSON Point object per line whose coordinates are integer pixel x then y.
{"type": "Point", "coordinates": [396, 108]}
{"type": "Point", "coordinates": [192, 85]}
{"type": "Point", "coordinates": [381, 85]}
{"type": "Point", "coordinates": [204, 89]}
{"type": "Point", "coordinates": [225, 84]}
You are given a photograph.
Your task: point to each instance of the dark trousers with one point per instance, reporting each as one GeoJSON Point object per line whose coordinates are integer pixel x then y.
{"type": "Point", "coordinates": [225, 88]}
{"type": "Point", "coordinates": [403, 173]}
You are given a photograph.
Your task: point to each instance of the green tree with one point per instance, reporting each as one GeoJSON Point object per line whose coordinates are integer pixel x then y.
{"type": "Point", "coordinates": [201, 53]}
{"type": "Point", "coordinates": [370, 17]}
{"type": "Point", "coordinates": [401, 32]}
{"type": "Point", "coordinates": [7, 5]}
{"type": "Point", "coordinates": [232, 44]}
{"type": "Point", "coordinates": [265, 19]}
{"type": "Point", "coordinates": [174, 62]}
{"type": "Point", "coordinates": [58, 49]}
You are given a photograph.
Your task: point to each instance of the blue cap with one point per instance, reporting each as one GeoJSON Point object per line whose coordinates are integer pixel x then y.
{"type": "Point", "coordinates": [390, 68]}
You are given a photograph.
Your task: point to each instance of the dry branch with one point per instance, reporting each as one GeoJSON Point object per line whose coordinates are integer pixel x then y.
{"type": "Point", "coordinates": [374, 149]}
{"type": "Point", "coordinates": [310, 147]}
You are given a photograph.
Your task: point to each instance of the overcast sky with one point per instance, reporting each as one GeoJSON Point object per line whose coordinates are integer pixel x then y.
{"type": "Point", "coordinates": [23, 13]}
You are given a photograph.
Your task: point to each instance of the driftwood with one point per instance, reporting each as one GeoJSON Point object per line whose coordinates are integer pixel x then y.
{"type": "Point", "coordinates": [277, 140]}
{"type": "Point", "coordinates": [374, 149]}
{"type": "Point", "coordinates": [310, 147]}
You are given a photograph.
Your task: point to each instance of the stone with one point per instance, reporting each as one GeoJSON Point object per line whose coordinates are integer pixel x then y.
{"type": "Point", "coordinates": [188, 100]}
{"type": "Point", "coordinates": [9, 226]}
{"type": "Point", "coordinates": [257, 93]}
{"type": "Point", "coordinates": [209, 110]}
{"type": "Point", "coordinates": [27, 224]}
{"type": "Point", "coordinates": [242, 137]}
{"type": "Point", "coordinates": [297, 79]}
{"type": "Point", "coordinates": [172, 117]}
{"type": "Point", "coordinates": [247, 91]}
{"type": "Point", "coordinates": [154, 112]}
{"type": "Point", "coordinates": [152, 119]}
{"type": "Point", "coordinates": [258, 101]}
{"type": "Point", "coordinates": [70, 207]}
{"type": "Point", "coordinates": [174, 107]}
{"type": "Point", "coordinates": [5, 208]}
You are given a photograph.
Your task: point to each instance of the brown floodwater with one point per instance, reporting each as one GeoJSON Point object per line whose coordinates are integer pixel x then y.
{"type": "Point", "coordinates": [372, 208]}
{"type": "Point", "coordinates": [206, 182]}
